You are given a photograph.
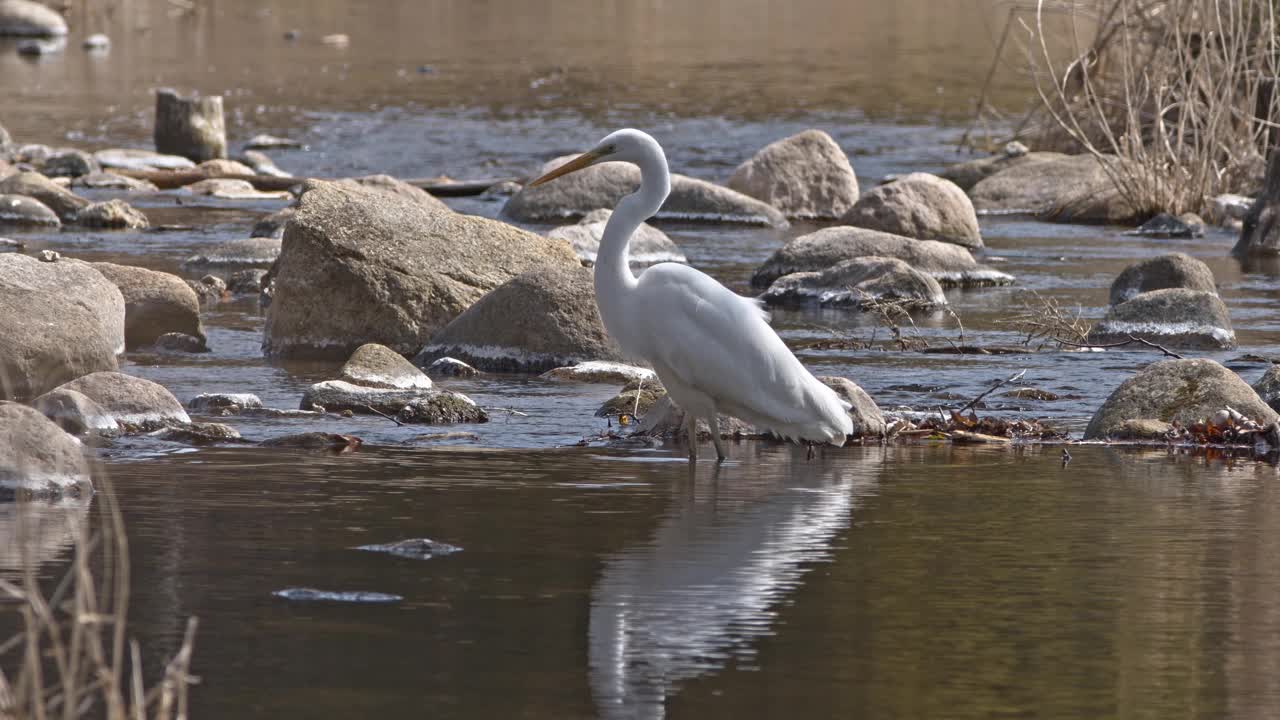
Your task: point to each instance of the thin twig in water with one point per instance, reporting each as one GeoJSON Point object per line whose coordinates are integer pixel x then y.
{"type": "Point", "coordinates": [375, 411]}
{"type": "Point", "coordinates": [509, 411]}
{"type": "Point", "coordinates": [635, 409]}
{"type": "Point", "coordinates": [1130, 341]}
{"type": "Point", "coordinates": [1011, 379]}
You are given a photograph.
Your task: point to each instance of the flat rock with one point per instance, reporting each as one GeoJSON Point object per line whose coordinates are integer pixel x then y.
{"type": "Point", "coordinates": [859, 282]}
{"type": "Point", "coordinates": [257, 252]}
{"type": "Point", "coordinates": [105, 180]}
{"type": "Point", "coordinates": [866, 415]}
{"type": "Point", "coordinates": [271, 142]}
{"type": "Point", "coordinates": [218, 403]}
{"type": "Point", "coordinates": [131, 401]}
{"type": "Point", "coordinates": [971, 172]}
{"type": "Point", "coordinates": [951, 265]}
{"type": "Point", "coordinates": [233, 189]}
{"type": "Point", "coordinates": [1175, 270]}
{"type": "Point", "coordinates": [27, 18]}
{"type": "Point", "coordinates": [649, 245]}
{"type": "Point", "coordinates": [1174, 317]}
{"type": "Point", "coordinates": [920, 206]}
{"type": "Point", "coordinates": [340, 395]}
{"type": "Point", "coordinates": [359, 266]}
{"type": "Point", "coordinates": [603, 185]}
{"type": "Point", "coordinates": [451, 367]}
{"type": "Point", "coordinates": [155, 303]}
{"type": "Point", "coordinates": [377, 366]}
{"type": "Point", "coordinates": [542, 319]}
{"type": "Point", "coordinates": [23, 211]}
{"type": "Point", "coordinates": [133, 159]}
{"type": "Point", "coordinates": [806, 175]}
{"type": "Point", "coordinates": [59, 320]}
{"type": "Point", "coordinates": [74, 412]}
{"type": "Point", "coordinates": [1268, 387]}
{"type": "Point", "coordinates": [414, 549]}
{"type": "Point", "coordinates": [38, 459]}
{"type": "Point", "coordinates": [34, 185]}
{"type": "Point", "coordinates": [596, 371]}
{"type": "Point", "coordinates": [442, 407]}
{"type": "Point", "coordinates": [1183, 391]}
{"type": "Point", "coordinates": [114, 213]}
{"type": "Point", "coordinates": [399, 189]}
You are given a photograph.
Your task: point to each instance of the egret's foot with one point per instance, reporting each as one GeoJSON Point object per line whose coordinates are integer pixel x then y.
{"type": "Point", "coordinates": [720, 459]}
{"type": "Point", "coordinates": [714, 424]}
{"type": "Point", "coordinates": [809, 455]}
{"type": "Point", "coordinates": [691, 437]}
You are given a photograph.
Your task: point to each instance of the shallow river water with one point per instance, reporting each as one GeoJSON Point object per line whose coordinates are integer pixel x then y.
{"type": "Point", "coordinates": [900, 582]}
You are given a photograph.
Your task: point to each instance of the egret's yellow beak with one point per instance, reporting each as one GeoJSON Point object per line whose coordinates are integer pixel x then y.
{"type": "Point", "coordinates": [586, 159]}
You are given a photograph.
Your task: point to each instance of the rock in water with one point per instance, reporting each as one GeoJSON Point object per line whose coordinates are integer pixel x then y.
{"type": "Point", "coordinates": [634, 399]}
{"type": "Point", "coordinates": [867, 419]}
{"type": "Point", "coordinates": [595, 371]}
{"type": "Point", "coordinates": [58, 321]}
{"type": "Point", "coordinates": [133, 159]}
{"type": "Point", "coordinates": [27, 18]}
{"type": "Point", "coordinates": [1183, 391]}
{"type": "Point", "coordinates": [262, 164]}
{"type": "Point", "coordinates": [1175, 270]}
{"type": "Point", "coordinates": [649, 245]}
{"type": "Point", "coordinates": [951, 265]}
{"type": "Point", "coordinates": [415, 549]}
{"type": "Point", "coordinates": [1164, 225]}
{"type": "Point", "coordinates": [360, 266]}
{"type": "Point", "coordinates": [806, 175]}
{"type": "Point", "coordinates": [971, 172]}
{"type": "Point", "coordinates": [181, 343]}
{"type": "Point", "coordinates": [103, 180]}
{"type": "Point", "coordinates": [191, 127]}
{"type": "Point", "coordinates": [38, 459]}
{"type": "Point", "coordinates": [272, 226]}
{"type": "Point", "coordinates": [271, 142]}
{"type": "Point", "coordinates": [216, 403]}
{"type": "Point", "coordinates": [603, 185]}
{"type": "Point", "coordinates": [130, 400]}
{"type": "Point", "coordinates": [257, 252]}
{"type": "Point", "coordinates": [65, 203]}
{"type": "Point", "coordinates": [423, 405]}
{"type": "Point", "coordinates": [114, 213]}
{"type": "Point", "coordinates": [859, 281]}
{"type": "Point", "coordinates": [666, 420]}
{"type": "Point", "coordinates": [442, 407]}
{"type": "Point", "coordinates": [75, 413]}
{"type": "Point", "coordinates": [1268, 387]}
{"type": "Point", "coordinates": [450, 367]}
{"type": "Point", "coordinates": [70, 163]}
{"type": "Point", "coordinates": [23, 211]}
{"type": "Point", "coordinates": [330, 596]}
{"type": "Point", "coordinates": [1072, 188]}
{"type": "Point", "coordinates": [542, 319]}
{"type": "Point", "coordinates": [155, 303]}
{"type": "Point", "coordinates": [920, 206]}
{"type": "Point", "coordinates": [377, 366]}
{"type": "Point", "coordinates": [1174, 317]}
{"type": "Point", "coordinates": [231, 189]}
{"type": "Point", "coordinates": [1260, 233]}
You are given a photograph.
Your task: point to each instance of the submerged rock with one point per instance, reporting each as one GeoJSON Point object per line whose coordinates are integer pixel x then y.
{"type": "Point", "coordinates": [1164, 225]}
{"type": "Point", "coordinates": [223, 403]}
{"type": "Point", "coordinates": [155, 303]}
{"type": "Point", "coordinates": [806, 175]}
{"type": "Point", "coordinates": [332, 596]}
{"type": "Point", "coordinates": [649, 245]}
{"type": "Point", "coordinates": [361, 266]}
{"type": "Point", "coordinates": [1268, 387]}
{"type": "Point", "coordinates": [971, 172]}
{"type": "Point", "coordinates": [58, 321]}
{"type": "Point", "coordinates": [257, 252]}
{"type": "Point", "coordinates": [511, 330]}
{"type": "Point", "coordinates": [451, 367]}
{"type": "Point", "coordinates": [20, 210]}
{"type": "Point", "coordinates": [69, 163]}
{"type": "Point", "coordinates": [66, 204]}
{"type": "Point", "coordinates": [114, 213]}
{"type": "Point", "coordinates": [181, 343]}
{"type": "Point", "coordinates": [597, 371]}
{"type": "Point", "coordinates": [603, 185]}
{"type": "Point", "coordinates": [1182, 391]}
{"type": "Point", "coordinates": [74, 412]}
{"type": "Point", "coordinates": [1175, 270]}
{"type": "Point", "coordinates": [316, 441]}
{"type": "Point", "coordinates": [377, 366]}
{"type": "Point", "coordinates": [951, 265]}
{"type": "Point", "coordinates": [1174, 317]}
{"type": "Point", "coordinates": [859, 281]}
{"type": "Point", "coordinates": [866, 415]}
{"type": "Point", "coordinates": [414, 549]}
{"type": "Point", "coordinates": [197, 434]}
{"type": "Point", "coordinates": [38, 459]}
{"type": "Point", "coordinates": [422, 405]}
{"type": "Point", "coordinates": [192, 127]}
{"type": "Point", "coordinates": [920, 206]}
{"type": "Point", "coordinates": [103, 180]}
{"type": "Point", "coordinates": [232, 189]}
{"type": "Point", "coordinates": [442, 407]}
{"type": "Point", "coordinates": [131, 401]}
{"type": "Point", "coordinates": [27, 18]}
{"type": "Point", "coordinates": [133, 159]}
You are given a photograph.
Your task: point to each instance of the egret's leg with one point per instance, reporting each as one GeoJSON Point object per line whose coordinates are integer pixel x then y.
{"type": "Point", "coordinates": [691, 435]}
{"type": "Point", "coordinates": [809, 455]}
{"type": "Point", "coordinates": [714, 423]}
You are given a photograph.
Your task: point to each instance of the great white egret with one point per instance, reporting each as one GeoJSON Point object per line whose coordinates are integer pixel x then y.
{"type": "Point", "coordinates": [712, 348]}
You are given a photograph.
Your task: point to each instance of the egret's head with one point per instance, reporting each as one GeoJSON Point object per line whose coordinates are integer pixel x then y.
{"type": "Point", "coordinates": [621, 146]}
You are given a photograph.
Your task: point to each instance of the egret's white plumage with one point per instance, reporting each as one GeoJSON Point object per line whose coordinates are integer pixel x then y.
{"type": "Point", "coordinates": [712, 349]}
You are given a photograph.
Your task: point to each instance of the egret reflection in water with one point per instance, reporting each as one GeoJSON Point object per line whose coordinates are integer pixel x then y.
{"type": "Point", "coordinates": [709, 581]}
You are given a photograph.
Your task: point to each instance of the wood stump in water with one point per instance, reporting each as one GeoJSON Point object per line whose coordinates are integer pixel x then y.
{"type": "Point", "coordinates": [191, 127]}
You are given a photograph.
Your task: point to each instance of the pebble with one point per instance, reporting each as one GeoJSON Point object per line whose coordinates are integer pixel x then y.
{"type": "Point", "coordinates": [97, 41]}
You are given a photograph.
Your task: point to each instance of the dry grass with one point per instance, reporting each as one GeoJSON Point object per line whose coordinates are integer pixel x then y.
{"type": "Point", "coordinates": [1043, 321]}
{"type": "Point", "coordinates": [68, 660]}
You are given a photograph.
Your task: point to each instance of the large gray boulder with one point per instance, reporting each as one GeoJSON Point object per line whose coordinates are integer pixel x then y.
{"type": "Point", "coordinates": [38, 459]}
{"type": "Point", "coordinates": [377, 366]}
{"type": "Point", "coordinates": [1173, 317]}
{"type": "Point", "coordinates": [58, 321]}
{"type": "Point", "coordinates": [542, 319]}
{"type": "Point", "coordinates": [603, 185]}
{"type": "Point", "coordinates": [1071, 188]}
{"type": "Point", "coordinates": [649, 245]}
{"type": "Point", "coordinates": [192, 127]}
{"type": "Point", "coordinates": [1260, 232]}
{"type": "Point", "coordinates": [951, 265]}
{"type": "Point", "coordinates": [858, 281]}
{"type": "Point", "coordinates": [806, 175]}
{"type": "Point", "coordinates": [155, 303]}
{"type": "Point", "coordinates": [399, 188]}
{"type": "Point", "coordinates": [920, 206]}
{"type": "Point", "coordinates": [23, 211]}
{"type": "Point", "coordinates": [359, 266]}
{"type": "Point", "coordinates": [132, 401]}
{"type": "Point", "coordinates": [27, 18]}
{"type": "Point", "coordinates": [1175, 270]}
{"type": "Point", "coordinates": [971, 172]}
{"type": "Point", "coordinates": [866, 415]}
{"type": "Point", "coordinates": [65, 203]}
{"type": "Point", "coordinates": [1183, 391]}
{"type": "Point", "coordinates": [1268, 387]}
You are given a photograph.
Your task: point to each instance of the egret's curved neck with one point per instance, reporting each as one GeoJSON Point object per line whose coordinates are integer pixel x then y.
{"type": "Point", "coordinates": [613, 276]}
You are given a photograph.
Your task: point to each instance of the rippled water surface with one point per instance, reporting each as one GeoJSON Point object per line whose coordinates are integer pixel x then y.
{"type": "Point", "coordinates": [905, 582]}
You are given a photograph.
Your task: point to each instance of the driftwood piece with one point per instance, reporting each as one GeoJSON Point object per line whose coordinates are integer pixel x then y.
{"type": "Point", "coordinates": [191, 127]}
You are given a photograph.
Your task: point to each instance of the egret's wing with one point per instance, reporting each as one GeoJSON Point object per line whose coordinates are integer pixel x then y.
{"type": "Point", "coordinates": [720, 343]}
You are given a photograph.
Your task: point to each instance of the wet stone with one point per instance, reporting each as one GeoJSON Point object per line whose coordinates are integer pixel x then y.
{"type": "Point", "coordinates": [75, 412]}
{"type": "Point", "coordinates": [114, 213]}
{"type": "Point", "coordinates": [271, 142]}
{"type": "Point", "coordinates": [180, 342]}
{"type": "Point", "coordinates": [257, 252]}
{"type": "Point", "coordinates": [210, 289]}
{"type": "Point", "coordinates": [70, 163]}
{"type": "Point", "coordinates": [414, 549]}
{"type": "Point", "coordinates": [312, 595]}
{"type": "Point", "coordinates": [315, 441]}
{"type": "Point", "coordinates": [20, 210]}
{"type": "Point", "coordinates": [246, 282]}
{"type": "Point", "coordinates": [133, 159]}
{"type": "Point", "coordinates": [1164, 225]}
{"type": "Point", "coordinates": [211, 403]}
{"type": "Point", "coordinates": [377, 366]}
{"type": "Point", "coordinates": [1175, 270]}
{"type": "Point", "coordinates": [1173, 317]}
{"type": "Point", "coordinates": [860, 281]}
{"type": "Point", "coordinates": [450, 367]}
{"type": "Point", "coordinates": [197, 433]}
{"type": "Point", "coordinates": [441, 407]}
{"type": "Point", "coordinates": [597, 371]}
